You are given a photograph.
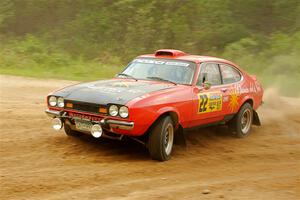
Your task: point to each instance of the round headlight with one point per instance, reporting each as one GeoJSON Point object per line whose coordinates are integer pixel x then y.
{"type": "Point", "coordinates": [52, 101]}
{"type": "Point", "coordinates": [123, 111]}
{"type": "Point", "coordinates": [60, 102]}
{"type": "Point", "coordinates": [113, 110]}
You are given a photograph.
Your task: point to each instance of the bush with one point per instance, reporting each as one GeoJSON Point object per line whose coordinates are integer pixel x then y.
{"type": "Point", "coordinates": [275, 60]}
{"type": "Point", "coordinates": [32, 56]}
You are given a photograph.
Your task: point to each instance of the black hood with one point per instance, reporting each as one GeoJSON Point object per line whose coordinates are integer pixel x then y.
{"type": "Point", "coordinates": [113, 91]}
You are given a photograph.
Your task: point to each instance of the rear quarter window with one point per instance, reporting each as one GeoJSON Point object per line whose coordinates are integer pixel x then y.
{"type": "Point", "coordinates": [230, 74]}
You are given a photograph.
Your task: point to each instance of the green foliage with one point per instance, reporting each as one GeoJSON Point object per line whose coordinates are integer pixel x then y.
{"type": "Point", "coordinates": [33, 57]}
{"type": "Point", "coordinates": [274, 59]}
{"type": "Point", "coordinates": [71, 38]}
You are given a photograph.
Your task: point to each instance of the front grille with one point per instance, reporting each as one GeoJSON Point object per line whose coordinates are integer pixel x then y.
{"type": "Point", "coordinates": [86, 107]}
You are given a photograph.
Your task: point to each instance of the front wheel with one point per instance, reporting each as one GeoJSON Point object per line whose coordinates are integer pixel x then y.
{"type": "Point", "coordinates": [161, 139]}
{"type": "Point", "coordinates": [241, 123]}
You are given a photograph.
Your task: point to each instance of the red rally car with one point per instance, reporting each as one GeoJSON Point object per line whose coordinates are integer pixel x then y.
{"type": "Point", "coordinates": [158, 96]}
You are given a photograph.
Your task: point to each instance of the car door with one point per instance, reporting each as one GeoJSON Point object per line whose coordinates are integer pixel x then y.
{"type": "Point", "coordinates": [231, 88]}
{"type": "Point", "coordinates": [207, 103]}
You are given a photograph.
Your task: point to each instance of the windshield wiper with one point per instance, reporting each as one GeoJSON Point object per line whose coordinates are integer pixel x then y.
{"type": "Point", "coordinates": [161, 79]}
{"type": "Point", "coordinates": [127, 75]}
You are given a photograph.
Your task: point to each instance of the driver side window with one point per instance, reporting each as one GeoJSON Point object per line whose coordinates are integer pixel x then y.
{"type": "Point", "coordinates": [209, 73]}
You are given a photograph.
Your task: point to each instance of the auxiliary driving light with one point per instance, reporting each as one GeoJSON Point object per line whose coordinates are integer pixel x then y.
{"type": "Point", "coordinates": [57, 124]}
{"type": "Point", "coordinates": [96, 131]}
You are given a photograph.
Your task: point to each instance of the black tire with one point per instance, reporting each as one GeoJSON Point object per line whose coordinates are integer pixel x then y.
{"type": "Point", "coordinates": [160, 137]}
{"type": "Point", "coordinates": [70, 132]}
{"type": "Point", "coordinates": [239, 125]}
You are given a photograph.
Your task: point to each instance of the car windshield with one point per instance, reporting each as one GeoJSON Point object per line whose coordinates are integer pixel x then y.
{"type": "Point", "coordinates": [176, 71]}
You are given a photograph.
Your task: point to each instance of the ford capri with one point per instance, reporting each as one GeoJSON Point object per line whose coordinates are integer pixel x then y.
{"type": "Point", "coordinates": [157, 97]}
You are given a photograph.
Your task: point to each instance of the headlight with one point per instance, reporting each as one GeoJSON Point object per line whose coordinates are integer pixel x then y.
{"type": "Point", "coordinates": [113, 110]}
{"type": "Point", "coordinates": [123, 112]}
{"type": "Point", "coordinates": [60, 102]}
{"type": "Point", "coordinates": [52, 101]}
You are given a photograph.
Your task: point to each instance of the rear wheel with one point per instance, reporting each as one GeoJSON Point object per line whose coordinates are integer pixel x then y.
{"type": "Point", "coordinates": [241, 123]}
{"type": "Point", "coordinates": [161, 138]}
{"type": "Point", "coordinates": [71, 132]}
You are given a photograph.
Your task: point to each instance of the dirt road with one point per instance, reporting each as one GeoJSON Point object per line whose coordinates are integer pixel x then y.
{"type": "Point", "coordinates": [39, 163]}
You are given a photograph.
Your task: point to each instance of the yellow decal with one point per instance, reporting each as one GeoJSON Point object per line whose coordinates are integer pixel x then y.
{"type": "Point", "coordinates": [233, 101]}
{"type": "Point", "coordinates": [209, 102]}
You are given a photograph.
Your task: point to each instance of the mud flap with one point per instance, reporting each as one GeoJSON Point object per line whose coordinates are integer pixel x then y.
{"type": "Point", "coordinates": [179, 138]}
{"type": "Point", "coordinates": [256, 120]}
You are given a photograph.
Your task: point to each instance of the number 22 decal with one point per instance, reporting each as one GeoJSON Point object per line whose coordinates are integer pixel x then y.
{"type": "Point", "coordinates": [203, 103]}
{"type": "Point", "coordinates": [209, 102]}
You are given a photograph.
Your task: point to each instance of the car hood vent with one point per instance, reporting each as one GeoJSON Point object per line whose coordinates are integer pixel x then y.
{"type": "Point", "coordinates": [169, 53]}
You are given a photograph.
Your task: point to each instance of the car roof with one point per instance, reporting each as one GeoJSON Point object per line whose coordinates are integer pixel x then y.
{"type": "Point", "coordinates": [180, 55]}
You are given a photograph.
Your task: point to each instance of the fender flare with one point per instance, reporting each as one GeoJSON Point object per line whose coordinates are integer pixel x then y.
{"type": "Point", "coordinates": [247, 98]}
{"type": "Point", "coordinates": [169, 109]}
{"type": "Point", "coordinates": [179, 137]}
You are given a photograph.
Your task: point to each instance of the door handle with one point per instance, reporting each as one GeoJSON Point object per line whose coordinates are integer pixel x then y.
{"type": "Point", "coordinates": [224, 89]}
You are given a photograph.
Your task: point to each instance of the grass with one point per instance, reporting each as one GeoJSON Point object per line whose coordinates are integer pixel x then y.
{"type": "Point", "coordinates": [36, 58]}
{"type": "Point", "coordinates": [80, 73]}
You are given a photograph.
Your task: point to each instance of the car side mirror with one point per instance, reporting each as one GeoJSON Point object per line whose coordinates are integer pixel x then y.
{"type": "Point", "coordinates": [206, 85]}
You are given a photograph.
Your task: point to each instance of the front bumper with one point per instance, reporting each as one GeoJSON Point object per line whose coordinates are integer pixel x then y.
{"type": "Point", "coordinates": [116, 124]}
{"type": "Point", "coordinates": [53, 113]}
{"type": "Point", "coordinates": [106, 123]}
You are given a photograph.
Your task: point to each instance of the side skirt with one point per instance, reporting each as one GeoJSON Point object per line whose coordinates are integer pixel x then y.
{"type": "Point", "coordinates": [226, 119]}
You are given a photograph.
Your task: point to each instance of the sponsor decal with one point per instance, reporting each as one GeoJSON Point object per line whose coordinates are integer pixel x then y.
{"type": "Point", "coordinates": [253, 88]}
{"type": "Point", "coordinates": [209, 102]}
{"type": "Point", "coordinates": [84, 117]}
{"type": "Point", "coordinates": [161, 62]}
{"type": "Point", "coordinates": [225, 99]}
{"type": "Point", "coordinates": [120, 84]}
{"type": "Point", "coordinates": [235, 94]}
{"type": "Point", "coordinates": [233, 100]}
{"type": "Point", "coordinates": [242, 89]}
{"type": "Point", "coordinates": [135, 91]}
{"type": "Point", "coordinates": [103, 89]}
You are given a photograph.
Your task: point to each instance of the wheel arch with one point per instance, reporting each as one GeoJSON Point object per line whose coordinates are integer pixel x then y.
{"type": "Point", "coordinates": [256, 120]}
{"type": "Point", "coordinates": [173, 113]}
{"type": "Point", "coordinates": [179, 137]}
{"type": "Point", "coordinates": [248, 100]}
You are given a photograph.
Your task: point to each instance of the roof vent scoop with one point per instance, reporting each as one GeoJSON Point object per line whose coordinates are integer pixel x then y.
{"type": "Point", "coordinates": [169, 53]}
